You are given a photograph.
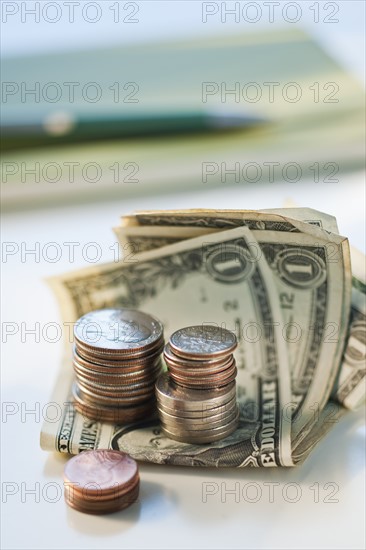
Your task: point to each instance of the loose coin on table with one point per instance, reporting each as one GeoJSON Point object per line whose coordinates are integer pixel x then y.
{"type": "Point", "coordinates": [101, 481]}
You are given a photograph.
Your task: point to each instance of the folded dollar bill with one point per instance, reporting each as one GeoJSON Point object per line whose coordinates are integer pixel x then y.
{"type": "Point", "coordinates": [280, 279]}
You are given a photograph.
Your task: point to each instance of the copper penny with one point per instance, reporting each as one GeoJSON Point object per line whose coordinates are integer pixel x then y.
{"type": "Point", "coordinates": [101, 481]}
{"type": "Point", "coordinates": [217, 381]}
{"type": "Point", "coordinates": [103, 359]}
{"type": "Point", "coordinates": [92, 398]}
{"type": "Point", "coordinates": [115, 367]}
{"type": "Point", "coordinates": [128, 378]}
{"type": "Point", "coordinates": [123, 414]}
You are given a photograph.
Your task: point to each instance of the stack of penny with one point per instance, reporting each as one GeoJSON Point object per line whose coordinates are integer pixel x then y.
{"type": "Point", "coordinates": [101, 481]}
{"type": "Point", "coordinates": [197, 397]}
{"type": "Point", "coordinates": [116, 363]}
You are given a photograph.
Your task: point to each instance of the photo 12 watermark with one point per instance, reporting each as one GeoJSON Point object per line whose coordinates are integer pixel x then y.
{"type": "Point", "coordinates": [53, 252]}
{"type": "Point", "coordinates": [35, 412]}
{"type": "Point", "coordinates": [270, 12]}
{"type": "Point", "coordinates": [69, 172]}
{"type": "Point", "coordinates": [272, 492]}
{"type": "Point", "coordinates": [27, 492]}
{"type": "Point", "coordinates": [269, 172]}
{"type": "Point", "coordinates": [68, 93]}
{"type": "Point", "coordinates": [72, 11]}
{"type": "Point", "coordinates": [270, 92]}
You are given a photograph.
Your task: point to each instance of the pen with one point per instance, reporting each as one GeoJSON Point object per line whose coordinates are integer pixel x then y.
{"type": "Point", "coordinates": [63, 127]}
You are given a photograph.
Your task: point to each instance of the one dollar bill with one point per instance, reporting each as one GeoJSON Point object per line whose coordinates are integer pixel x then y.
{"type": "Point", "coordinates": [267, 273]}
{"type": "Point", "coordinates": [192, 282]}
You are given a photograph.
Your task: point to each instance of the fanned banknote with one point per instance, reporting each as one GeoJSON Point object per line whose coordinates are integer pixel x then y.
{"type": "Point", "coordinates": [350, 386]}
{"type": "Point", "coordinates": [283, 275]}
{"type": "Point", "coordinates": [311, 270]}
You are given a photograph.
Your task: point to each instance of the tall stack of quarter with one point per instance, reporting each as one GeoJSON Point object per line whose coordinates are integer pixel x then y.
{"type": "Point", "coordinates": [116, 363]}
{"type": "Point", "coordinates": [101, 481]}
{"type": "Point", "coordinates": [197, 397]}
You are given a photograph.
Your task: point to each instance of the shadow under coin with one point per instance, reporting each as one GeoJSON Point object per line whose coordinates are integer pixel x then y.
{"type": "Point", "coordinates": [106, 524]}
{"type": "Point", "coordinates": [157, 500]}
{"type": "Point", "coordinates": [55, 463]}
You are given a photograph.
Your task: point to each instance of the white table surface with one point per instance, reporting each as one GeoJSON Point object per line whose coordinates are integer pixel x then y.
{"type": "Point", "coordinates": [171, 512]}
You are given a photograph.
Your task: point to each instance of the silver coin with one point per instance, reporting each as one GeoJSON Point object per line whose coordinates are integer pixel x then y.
{"type": "Point", "coordinates": [116, 415]}
{"type": "Point", "coordinates": [113, 390]}
{"type": "Point", "coordinates": [118, 378]}
{"type": "Point", "coordinates": [196, 424]}
{"type": "Point", "coordinates": [191, 437]}
{"type": "Point", "coordinates": [117, 331]}
{"type": "Point", "coordinates": [195, 364]}
{"type": "Point", "coordinates": [79, 395]}
{"type": "Point", "coordinates": [195, 371]}
{"type": "Point", "coordinates": [122, 415]}
{"type": "Point", "coordinates": [189, 407]}
{"type": "Point", "coordinates": [205, 383]}
{"type": "Point", "coordinates": [205, 431]}
{"type": "Point", "coordinates": [97, 399]}
{"type": "Point", "coordinates": [200, 414]}
{"type": "Point", "coordinates": [175, 396]}
{"type": "Point", "coordinates": [107, 363]}
{"type": "Point", "coordinates": [203, 341]}
{"type": "Point", "coordinates": [111, 358]}
{"type": "Point", "coordinates": [113, 403]}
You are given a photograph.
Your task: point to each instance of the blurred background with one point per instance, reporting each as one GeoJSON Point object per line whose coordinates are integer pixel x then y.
{"type": "Point", "coordinates": [113, 106]}
{"type": "Point", "coordinates": [116, 100]}
{"type": "Point", "coordinates": [110, 106]}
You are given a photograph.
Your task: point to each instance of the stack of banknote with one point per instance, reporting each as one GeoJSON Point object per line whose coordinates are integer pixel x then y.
{"type": "Point", "coordinates": [282, 280]}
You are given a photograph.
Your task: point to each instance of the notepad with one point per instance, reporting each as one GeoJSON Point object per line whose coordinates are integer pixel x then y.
{"type": "Point", "coordinates": [316, 109]}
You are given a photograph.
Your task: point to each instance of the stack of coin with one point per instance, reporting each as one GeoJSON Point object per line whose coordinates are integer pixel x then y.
{"type": "Point", "coordinates": [197, 397]}
{"type": "Point", "coordinates": [116, 363]}
{"type": "Point", "coordinates": [101, 481]}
